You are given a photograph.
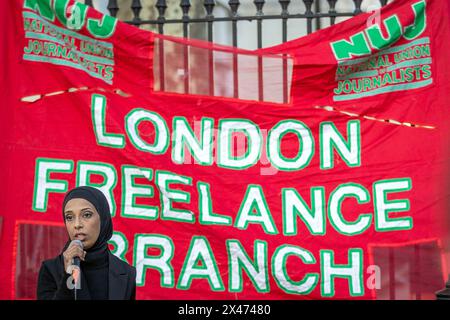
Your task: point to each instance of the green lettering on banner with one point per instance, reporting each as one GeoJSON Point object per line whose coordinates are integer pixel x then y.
{"type": "Point", "coordinates": [257, 270]}
{"type": "Point", "coordinates": [353, 272]}
{"type": "Point", "coordinates": [359, 43]}
{"type": "Point", "coordinates": [183, 135]}
{"type": "Point", "coordinates": [392, 88]}
{"type": "Point", "coordinates": [200, 251]}
{"type": "Point", "coordinates": [279, 259]}
{"type": "Point", "coordinates": [357, 46]}
{"type": "Point", "coordinates": [98, 107]}
{"type": "Point", "coordinates": [42, 6]}
{"type": "Point", "coordinates": [42, 183]}
{"type": "Point", "coordinates": [253, 144]}
{"type": "Point", "coordinates": [132, 121]}
{"type": "Point", "coordinates": [162, 263]}
{"type": "Point", "coordinates": [335, 205]}
{"type": "Point", "coordinates": [78, 11]}
{"type": "Point", "coordinates": [350, 150]}
{"type": "Point", "coordinates": [420, 21]}
{"type": "Point", "coordinates": [394, 29]}
{"type": "Point", "coordinates": [168, 196]}
{"type": "Point", "coordinates": [99, 28]}
{"type": "Point", "coordinates": [294, 205]}
{"type": "Point", "coordinates": [383, 206]}
{"type": "Point", "coordinates": [306, 143]}
{"type": "Point", "coordinates": [254, 200]}
{"type": "Point", "coordinates": [131, 190]}
{"type": "Point", "coordinates": [207, 217]}
{"type": "Point", "coordinates": [104, 28]}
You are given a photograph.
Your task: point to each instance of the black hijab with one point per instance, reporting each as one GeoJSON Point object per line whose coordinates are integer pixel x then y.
{"type": "Point", "coordinates": [94, 269]}
{"type": "Point", "coordinates": [98, 200]}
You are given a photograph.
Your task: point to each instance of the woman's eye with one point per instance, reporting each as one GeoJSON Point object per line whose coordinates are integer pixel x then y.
{"type": "Point", "coordinates": [87, 214]}
{"type": "Point", "coordinates": [68, 218]}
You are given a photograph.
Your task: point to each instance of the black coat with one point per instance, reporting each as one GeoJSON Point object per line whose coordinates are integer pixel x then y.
{"type": "Point", "coordinates": [52, 281]}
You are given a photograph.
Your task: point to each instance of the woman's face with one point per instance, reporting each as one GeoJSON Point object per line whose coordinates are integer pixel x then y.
{"type": "Point", "coordinates": [82, 221]}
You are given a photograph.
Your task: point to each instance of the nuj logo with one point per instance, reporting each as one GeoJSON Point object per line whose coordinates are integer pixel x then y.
{"type": "Point", "coordinates": [372, 38]}
{"type": "Point", "coordinates": [73, 16]}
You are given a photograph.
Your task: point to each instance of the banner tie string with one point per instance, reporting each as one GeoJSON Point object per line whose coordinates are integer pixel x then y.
{"type": "Point", "coordinates": [390, 121]}
{"type": "Point", "coordinates": [37, 97]}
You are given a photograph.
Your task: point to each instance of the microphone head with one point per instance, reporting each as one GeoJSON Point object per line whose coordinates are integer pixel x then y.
{"type": "Point", "coordinates": [78, 242]}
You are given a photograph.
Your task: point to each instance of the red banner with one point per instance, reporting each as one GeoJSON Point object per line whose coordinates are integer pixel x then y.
{"type": "Point", "coordinates": [314, 169]}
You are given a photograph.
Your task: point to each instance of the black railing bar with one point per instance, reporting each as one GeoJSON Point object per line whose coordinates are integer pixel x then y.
{"type": "Point", "coordinates": [248, 18]}
{"type": "Point", "coordinates": [284, 14]}
{"type": "Point", "coordinates": [259, 5]}
{"type": "Point", "coordinates": [234, 4]}
{"type": "Point", "coordinates": [209, 7]}
{"type": "Point", "coordinates": [308, 13]}
{"type": "Point", "coordinates": [185, 6]}
{"type": "Point", "coordinates": [318, 9]}
{"type": "Point", "coordinates": [161, 6]}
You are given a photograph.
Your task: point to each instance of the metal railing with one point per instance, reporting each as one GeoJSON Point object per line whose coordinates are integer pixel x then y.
{"type": "Point", "coordinates": [311, 12]}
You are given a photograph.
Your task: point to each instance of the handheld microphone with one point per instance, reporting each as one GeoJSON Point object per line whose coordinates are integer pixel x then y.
{"type": "Point", "coordinates": [76, 260]}
{"type": "Point", "coordinates": [76, 268]}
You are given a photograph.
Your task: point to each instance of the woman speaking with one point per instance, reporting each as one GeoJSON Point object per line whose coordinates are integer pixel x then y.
{"type": "Point", "coordinates": [100, 275]}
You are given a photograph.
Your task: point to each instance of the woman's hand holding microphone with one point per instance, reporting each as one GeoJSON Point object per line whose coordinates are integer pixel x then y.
{"type": "Point", "coordinates": [74, 250]}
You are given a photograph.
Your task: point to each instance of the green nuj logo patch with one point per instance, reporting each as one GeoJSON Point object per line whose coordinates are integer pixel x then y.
{"type": "Point", "coordinates": [369, 64]}
{"type": "Point", "coordinates": [64, 46]}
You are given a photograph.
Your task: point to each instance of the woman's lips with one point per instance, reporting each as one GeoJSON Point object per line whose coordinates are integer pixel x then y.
{"type": "Point", "coordinates": [80, 236]}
